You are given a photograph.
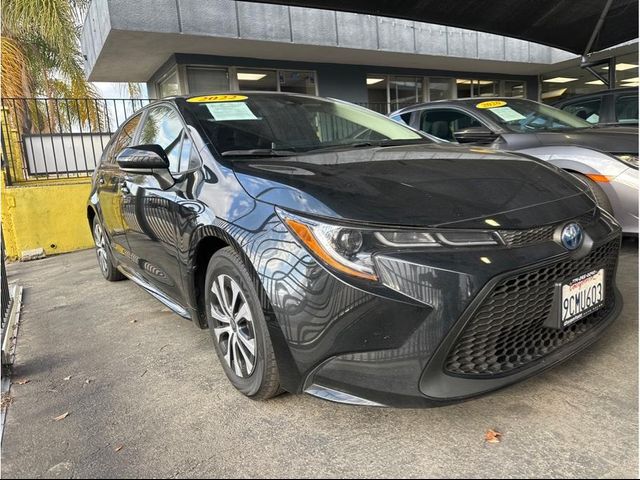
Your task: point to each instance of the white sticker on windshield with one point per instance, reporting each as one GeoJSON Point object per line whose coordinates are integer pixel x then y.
{"type": "Point", "coordinates": [221, 111]}
{"type": "Point", "coordinates": [507, 114]}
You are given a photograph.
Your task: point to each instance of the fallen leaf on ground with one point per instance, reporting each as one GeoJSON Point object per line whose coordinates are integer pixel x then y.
{"type": "Point", "coordinates": [67, 378]}
{"type": "Point", "coordinates": [23, 381]}
{"type": "Point", "coordinates": [118, 448]}
{"type": "Point", "coordinates": [61, 417]}
{"type": "Point", "coordinates": [492, 436]}
{"type": "Point", "coordinates": [6, 400]}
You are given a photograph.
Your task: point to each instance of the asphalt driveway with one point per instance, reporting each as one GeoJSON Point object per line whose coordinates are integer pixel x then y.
{"type": "Point", "coordinates": [146, 397]}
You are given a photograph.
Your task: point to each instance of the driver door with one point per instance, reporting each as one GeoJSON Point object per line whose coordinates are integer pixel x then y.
{"type": "Point", "coordinates": [150, 209]}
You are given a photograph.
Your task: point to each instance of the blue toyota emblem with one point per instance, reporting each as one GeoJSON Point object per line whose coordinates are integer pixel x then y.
{"type": "Point", "coordinates": [572, 236]}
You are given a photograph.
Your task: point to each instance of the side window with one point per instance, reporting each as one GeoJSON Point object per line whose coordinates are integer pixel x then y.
{"type": "Point", "coordinates": [163, 127]}
{"type": "Point", "coordinates": [588, 110]}
{"type": "Point", "coordinates": [627, 109]}
{"type": "Point", "coordinates": [404, 118]}
{"type": "Point", "coordinates": [189, 156]}
{"type": "Point", "coordinates": [123, 139]}
{"type": "Point", "coordinates": [442, 123]}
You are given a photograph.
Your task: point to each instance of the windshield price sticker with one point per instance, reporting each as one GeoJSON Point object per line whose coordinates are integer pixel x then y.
{"type": "Point", "coordinates": [228, 111]}
{"type": "Point", "coordinates": [507, 114]}
{"type": "Point", "coordinates": [491, 104]}
{"type": "Point", "coordinates": [216, 98]}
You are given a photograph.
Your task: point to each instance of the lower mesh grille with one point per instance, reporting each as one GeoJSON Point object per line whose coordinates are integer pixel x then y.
{"type": "Point", "coordinates": [507, 331]}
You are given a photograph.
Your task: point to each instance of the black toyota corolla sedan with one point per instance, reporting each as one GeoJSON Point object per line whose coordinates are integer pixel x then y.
{"type": "Point", "coordinates": [333, 251]}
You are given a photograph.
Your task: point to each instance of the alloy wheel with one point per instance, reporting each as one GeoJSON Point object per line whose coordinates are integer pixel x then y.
{"type": "Point", "coordinates": [234, 328]}
{"type": "Point", "coordinates": [101, 248]}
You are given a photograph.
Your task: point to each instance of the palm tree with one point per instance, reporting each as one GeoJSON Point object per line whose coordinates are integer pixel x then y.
{"type": "Point", "coordinates": [41, 57]}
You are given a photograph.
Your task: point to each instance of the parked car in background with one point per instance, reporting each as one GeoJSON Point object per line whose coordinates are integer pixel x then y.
{"type": "Point", "coordinates": [608, 107]}
{"type": "Point", "coordinates": [605, 158]}
{"type": "Point", "coordinates": [333, 251]}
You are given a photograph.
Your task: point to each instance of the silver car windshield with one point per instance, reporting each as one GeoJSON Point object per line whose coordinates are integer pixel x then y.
{"type": "Point", "coordinates": [525, 116]}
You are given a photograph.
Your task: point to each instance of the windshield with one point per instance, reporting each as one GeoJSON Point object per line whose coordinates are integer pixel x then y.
{"type": "Point", "coordinates": [525, 116]}
{"type": "Point", "coordinates": [258, 124]}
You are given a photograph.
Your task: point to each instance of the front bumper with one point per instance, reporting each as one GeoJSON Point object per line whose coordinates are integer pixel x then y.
{"type": "Point", "coordinates": [389, 343]}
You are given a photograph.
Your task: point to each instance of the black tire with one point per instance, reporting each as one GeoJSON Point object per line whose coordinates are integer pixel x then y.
{"type": "Point", "coordinates": [106, 262]}
{"type": "Point", "coordinates": [601, 197]}
{"type": "Point", "coordinates": [263, 381]}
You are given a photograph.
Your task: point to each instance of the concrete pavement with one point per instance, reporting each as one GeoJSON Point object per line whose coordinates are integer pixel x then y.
{"type": "Point", "coordinates": [149, 382]}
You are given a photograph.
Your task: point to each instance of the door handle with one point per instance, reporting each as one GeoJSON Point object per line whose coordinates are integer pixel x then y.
{"type": "Point", "coordinates": [124, 189]}
{"type": "Point", "coordinates": [101, 180]}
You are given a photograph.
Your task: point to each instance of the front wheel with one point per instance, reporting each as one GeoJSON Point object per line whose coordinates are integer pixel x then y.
{"type": "Point", "coordinates": [238, 327]}
{"type": "Point", "coordinates": [105, 259]}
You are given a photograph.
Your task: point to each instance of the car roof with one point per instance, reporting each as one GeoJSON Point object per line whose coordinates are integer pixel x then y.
{"type": "Point", "coordinates": [465, 102]}
{"type": "Point", "coordinates": [599, 93]}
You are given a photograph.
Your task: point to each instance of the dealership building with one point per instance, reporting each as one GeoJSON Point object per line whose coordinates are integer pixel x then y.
{"type": "Point", "coordinates": [193, 46]}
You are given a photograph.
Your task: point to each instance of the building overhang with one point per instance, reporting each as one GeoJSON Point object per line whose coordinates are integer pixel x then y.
{"type": "Point", "coordinates": [122, 44]}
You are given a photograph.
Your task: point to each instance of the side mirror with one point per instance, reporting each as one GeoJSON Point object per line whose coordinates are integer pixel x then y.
{"type": "Point", "coordinates": [147, 160]}
{"type": "Point", "coordinates": [475, 135]}
{"type": "Point", "coordinates": [142, 159]}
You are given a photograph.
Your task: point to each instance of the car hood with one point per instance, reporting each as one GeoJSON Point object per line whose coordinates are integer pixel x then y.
{"type": "Point", "coordinates": [607, 139]}
{"type": "Point", "coordinates": [418, 186]}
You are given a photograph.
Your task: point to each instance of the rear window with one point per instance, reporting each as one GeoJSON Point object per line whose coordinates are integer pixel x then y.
{"type": "Point", "coordinates": [627, 109]}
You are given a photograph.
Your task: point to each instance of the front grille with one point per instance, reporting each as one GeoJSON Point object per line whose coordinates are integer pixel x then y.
{"type": "Point", "coordinates": [519, 238]}
{"type": "Point", "coordinates": [507, 331]}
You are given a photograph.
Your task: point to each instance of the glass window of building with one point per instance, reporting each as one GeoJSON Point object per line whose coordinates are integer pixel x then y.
{"type": "Point", "coordinates": [377, 93]}
{"type": "Point", "coordinates": [206, 80]}
{"type": "Point", "coordinates": [405, 91]}
{"type": "Point", "coordinates": [260, 80]}
{"type": "Point", "coordinates": [562, 84]}
{"type": "Point", "coordinates": [169, 86]}
{"type": "Point", "coordinates": [297, 82]}
{"type": "Point", "coordinates": [464, 87]}
{"type": "Point", "coordinates": [486, 88]}
{"type": "Point", "coordinates": [627, 70]}
{"type": "Point", "coordinates": [440, 89]}
{"type": "Point", "coordinates": [514, 89]}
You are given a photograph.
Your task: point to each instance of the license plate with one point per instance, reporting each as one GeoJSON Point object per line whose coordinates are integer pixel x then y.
{"type": "Point", "coordinates": [581, 296]}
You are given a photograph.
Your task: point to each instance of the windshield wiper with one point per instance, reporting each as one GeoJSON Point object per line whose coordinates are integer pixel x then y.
{"type": "Point", "coordinates": [371, 143]}
{"type": "Point", "coordinates": [259, 152]}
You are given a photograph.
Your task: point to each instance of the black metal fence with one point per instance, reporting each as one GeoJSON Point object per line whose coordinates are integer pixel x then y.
{"type": "Point", "coordinates": [44, 138]}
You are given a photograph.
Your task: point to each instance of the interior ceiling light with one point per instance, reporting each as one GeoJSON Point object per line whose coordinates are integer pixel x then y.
{"type": "Point", "coordinates": [595, 82]}
{"type": "Point", "coordinates": [560, 80]}
{"type": "Point", "coordinates": [553, 93]}
{"type": "Point", "coordinates": [621, 67]}
{"type": "Point", "coordinates": [251, 76]}
{"type": "Point", "coordinates": [634, 79]}
{"type": "Point", "coordinates": [373, 81]}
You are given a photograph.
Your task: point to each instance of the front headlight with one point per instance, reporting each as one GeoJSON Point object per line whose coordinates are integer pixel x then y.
{"type": "Point", "coordinates": [350, 249]}
{"type": "Point", "coordinates": [628, 158]}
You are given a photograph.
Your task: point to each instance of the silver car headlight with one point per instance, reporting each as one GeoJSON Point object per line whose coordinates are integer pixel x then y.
{"type": "Point", "coordinates": [628, 158]}
{"type": "Point", "coordinates": [350, 250]}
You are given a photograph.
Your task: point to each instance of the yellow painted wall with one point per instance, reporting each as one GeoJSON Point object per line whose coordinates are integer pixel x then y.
{"type": "Point", "coordinates": [50, 215]}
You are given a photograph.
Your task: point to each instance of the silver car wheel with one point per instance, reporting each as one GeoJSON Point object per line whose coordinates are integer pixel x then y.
{"type": "Point", "coordinates": [101, 248]}
{"type": "Point", "coordinates": [234, 328]}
